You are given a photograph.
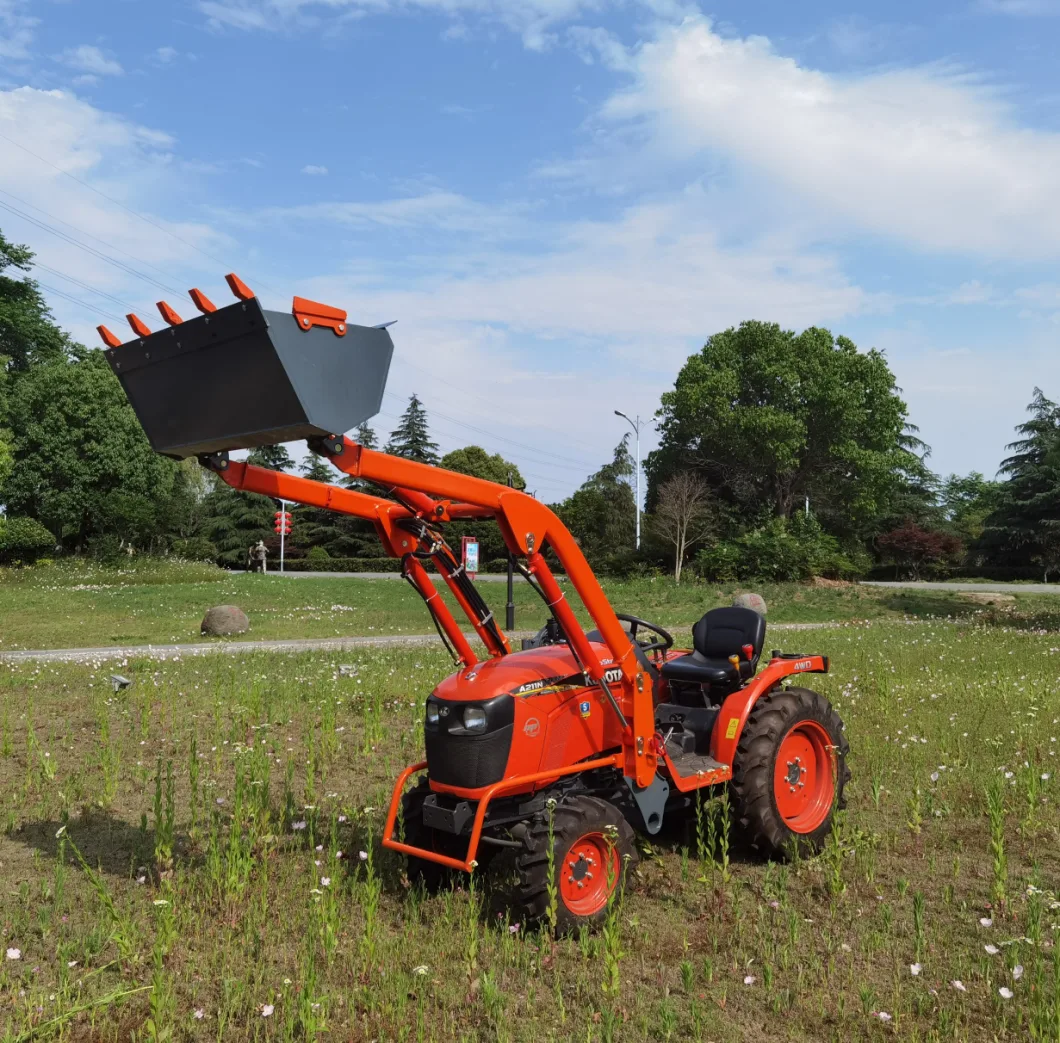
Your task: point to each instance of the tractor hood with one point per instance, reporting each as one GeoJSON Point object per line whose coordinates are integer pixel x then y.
{"type": "Point", "coordinates": [519, 674]}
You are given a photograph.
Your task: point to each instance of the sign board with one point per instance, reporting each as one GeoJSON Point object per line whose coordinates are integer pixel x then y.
{"type": "Point", "coordinates": [469, 546]}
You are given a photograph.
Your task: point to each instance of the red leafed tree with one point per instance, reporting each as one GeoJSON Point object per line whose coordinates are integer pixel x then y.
{"type": "Point", "coordinates": [913, 547]}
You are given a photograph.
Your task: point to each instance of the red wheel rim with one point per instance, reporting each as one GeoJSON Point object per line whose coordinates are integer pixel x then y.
{"type": "Point", "coordinates": [584, 881]}
{"type": "Point", "coordinates": [804, 777]}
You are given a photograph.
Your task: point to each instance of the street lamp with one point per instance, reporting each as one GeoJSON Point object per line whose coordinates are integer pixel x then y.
{"type": "Point", "coordinates": [636, 428]}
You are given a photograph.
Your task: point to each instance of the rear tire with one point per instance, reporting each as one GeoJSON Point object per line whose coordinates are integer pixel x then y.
{"type": "Point", "coordinates": [789, 773]}
{"type": "Point", "coordinates": [587, 833]}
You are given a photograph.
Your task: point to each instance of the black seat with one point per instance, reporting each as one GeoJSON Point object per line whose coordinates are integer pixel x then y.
{"type": "Point", "coordinates": [721, 633]}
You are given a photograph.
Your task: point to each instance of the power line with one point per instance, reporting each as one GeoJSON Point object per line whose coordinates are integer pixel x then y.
{"type": "Point", "coordinates": [43, 225]}
{"type": "Point", "coordinates": [88, 235]}
{"type": "Point", "coordinates": [127, 209]}
{"type": "Point", "coordinates": [81, 303]}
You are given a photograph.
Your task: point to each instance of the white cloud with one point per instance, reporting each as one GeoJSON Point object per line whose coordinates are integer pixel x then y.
{"type": "Point", "coordinates": [1024, 8]}
{"type": "Point", "coordinates": [133, 165]}
{"type": "Point", "coordinates": [533, 19]}
{"type": "Point", "coordinates": [16, 29]}
{"type": "Point", "coordinates": [89, 59]}
{"type": "Point", "coordinates": [311, 168]}
{"type": "Point", "coordinates": [929, 156]}
{"type": "Point", "coordinates": [165, 55]}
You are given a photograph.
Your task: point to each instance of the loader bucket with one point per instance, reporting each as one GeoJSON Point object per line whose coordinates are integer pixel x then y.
{"type": "Point", "coordinates": [240, 376]}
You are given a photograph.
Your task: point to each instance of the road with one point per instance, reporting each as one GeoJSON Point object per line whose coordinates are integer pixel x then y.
{"type": "Point", "coordinates": [327, 644]}
{"type": "Point", "coordinates": [984, 588]}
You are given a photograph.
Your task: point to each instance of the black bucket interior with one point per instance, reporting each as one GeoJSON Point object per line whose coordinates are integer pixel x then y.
{"type": "Point", "coordinates": [242, 377]}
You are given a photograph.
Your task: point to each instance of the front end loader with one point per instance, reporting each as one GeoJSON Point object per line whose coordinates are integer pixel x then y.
{"type": "Point", "coordinates": [578, 740]}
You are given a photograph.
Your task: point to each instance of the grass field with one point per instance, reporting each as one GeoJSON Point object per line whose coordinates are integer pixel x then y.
{"type": "Point", "coordinates": [87, 606]}
{"type": "Point", "coordinates": [197, 858]}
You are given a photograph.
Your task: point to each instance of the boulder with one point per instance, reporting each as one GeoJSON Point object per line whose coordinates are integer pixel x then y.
{"type": "Point", "coordinates": [222, 620]}
{"type": "Point", "coordinates": [982, 597]}
{"type": "Point", "coordinates": [755, 602]}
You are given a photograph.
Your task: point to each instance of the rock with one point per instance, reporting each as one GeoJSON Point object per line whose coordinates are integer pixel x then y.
{"type": "Point", "coordinates": [981, 597]}
{"type": "Point", "coordinates": [222, 620]}
{"type": "Point", "coordinates": [755, 602]}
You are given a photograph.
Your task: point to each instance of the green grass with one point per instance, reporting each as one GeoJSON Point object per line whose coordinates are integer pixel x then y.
{"type": "Point", "coordinates": [185, 796]}
{"type": "Point", "coordinates": [81, 605]}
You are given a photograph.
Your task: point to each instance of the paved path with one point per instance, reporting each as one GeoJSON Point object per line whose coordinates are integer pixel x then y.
{"type": "Point", "coordinates": [327, 644]}
{"type": "Point", "coordinates": [985, 588]}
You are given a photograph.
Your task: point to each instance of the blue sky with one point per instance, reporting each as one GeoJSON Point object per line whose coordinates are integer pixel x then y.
{"type": "Point", "coordinates": [560, 199]}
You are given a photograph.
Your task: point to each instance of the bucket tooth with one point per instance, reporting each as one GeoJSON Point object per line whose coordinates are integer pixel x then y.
{"type": "Point", "coordinates": [169, 314]}
{"type": "Point", "coordinates": [201, 301]}
{"type": "Point", "coordinates": [108, 338]}
{"type": "Point", "coordinates": [238, 287]}
{"type": "Point", "coordinates": [139, 327]}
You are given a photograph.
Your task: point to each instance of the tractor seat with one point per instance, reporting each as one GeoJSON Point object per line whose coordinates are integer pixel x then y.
{"type": "Point", "coordinates": [722, 632]}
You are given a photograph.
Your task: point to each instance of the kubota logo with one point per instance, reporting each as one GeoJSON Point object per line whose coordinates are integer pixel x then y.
{"type": "Point", "coordinates": [531, 728]}
{"type": "Point", "coordinates": [614, 675]}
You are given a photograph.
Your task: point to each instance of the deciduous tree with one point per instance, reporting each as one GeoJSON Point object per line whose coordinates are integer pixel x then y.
{"type": "Point", "coordinates": [682, 515]}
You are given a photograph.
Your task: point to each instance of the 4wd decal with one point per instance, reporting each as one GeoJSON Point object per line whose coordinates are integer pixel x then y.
{"type": "Point", "coordinates": [804, 664]}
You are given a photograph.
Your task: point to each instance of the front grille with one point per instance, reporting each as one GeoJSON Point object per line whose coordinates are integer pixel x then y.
{"type": "Point", "coordinates": [469, 761]}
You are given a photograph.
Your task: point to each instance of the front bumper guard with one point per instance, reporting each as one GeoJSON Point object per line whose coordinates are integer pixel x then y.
{"type": "Point", "coordinates": [615, 760]}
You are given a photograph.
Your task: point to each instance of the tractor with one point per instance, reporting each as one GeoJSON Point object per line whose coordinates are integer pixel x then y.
{"type": "Point", "coordinates": [579, 739]}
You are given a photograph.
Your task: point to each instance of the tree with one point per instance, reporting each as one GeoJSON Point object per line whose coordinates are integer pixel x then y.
{"type": "Point", "coordinates": [28, 337]}
{"type": "Point", "coordinates": [682, 515]}
{"type": "Point", "coordinates": [365, 435]}
{"type": "Point", "coordinates": [1025, 526]}
{"type": "Point", "coordinates": [411, 438]}
{"type": "Point", "coordinates": [966, 502]}
{"type": "Point", "coordinates": [768, 417]}
{"type": "Point", "coordinates": [82, 465]}
{"type": "Point", "coordinates": [912, 547]}
{"type": "Point", "coordinates": [235, 520]}
{"type": "Point", "coordinates": [475, 461]}
{"type": "Point", "coordinates": [274, 457]}
{"type": "Point", "coordinates": [601, 513]}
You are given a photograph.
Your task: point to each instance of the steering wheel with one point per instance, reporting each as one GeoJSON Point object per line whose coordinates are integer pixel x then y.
{"type": "Point", "coordinates": [663, 638]}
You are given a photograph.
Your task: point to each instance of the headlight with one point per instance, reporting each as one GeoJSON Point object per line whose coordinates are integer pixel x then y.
{"type": "Point", "coordinates": [475, 719]}
{"type": "Point", "coordinates": [432, 713]}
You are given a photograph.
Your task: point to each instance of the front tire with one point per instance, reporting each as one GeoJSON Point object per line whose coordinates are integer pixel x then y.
{"type": "Point", "coordinates": [592, 846]}
{"type": "Point", "coordinates": [789, 773]}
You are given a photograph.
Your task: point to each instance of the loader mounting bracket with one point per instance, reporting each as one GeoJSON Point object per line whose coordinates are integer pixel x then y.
{"type": "Point", "coordinates": [330, 445]}
{"type": "Point", "coordinates": [215, 461]}
{"type": "Point", "coordinates": [650, 802]}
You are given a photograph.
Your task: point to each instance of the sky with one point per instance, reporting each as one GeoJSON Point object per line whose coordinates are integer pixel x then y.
{"type": "Point", "coordinates": [560, 200]}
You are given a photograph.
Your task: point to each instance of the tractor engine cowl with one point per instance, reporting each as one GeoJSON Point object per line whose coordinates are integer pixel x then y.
{"type": "Point", "coordinates": [467, 743]}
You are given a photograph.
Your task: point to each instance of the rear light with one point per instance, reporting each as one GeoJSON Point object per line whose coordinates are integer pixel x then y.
{"type": "Point", "coordinates": [475, 719]}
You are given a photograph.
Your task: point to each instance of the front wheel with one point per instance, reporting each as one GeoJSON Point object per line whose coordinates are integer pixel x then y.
{"type": "Point", "coordinates": [592, 847]}
{"type": "Point", "coordinates": [790, 772]}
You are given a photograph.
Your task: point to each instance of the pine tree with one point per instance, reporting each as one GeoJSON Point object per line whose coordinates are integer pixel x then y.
{"type": "Point", "coordinates": [274, 457]}
{"type": "Point", "coordinates": [365, 436]}
{"type": "Point", "coordinates": [317, 469]}
{"type": "Point", "coordinates": [1026, 525]}
{"type": "Point", "coordinates": [411, 439]}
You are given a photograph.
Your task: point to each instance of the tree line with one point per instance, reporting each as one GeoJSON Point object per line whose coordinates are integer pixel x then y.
{"type": "Point", "coordinates": [781, 455]}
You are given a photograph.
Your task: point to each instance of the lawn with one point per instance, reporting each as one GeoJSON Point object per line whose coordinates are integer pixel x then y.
{"type": "Point", "coordinates": [86, 606]}
{"type": "Point", "coordinates": [197, 857]}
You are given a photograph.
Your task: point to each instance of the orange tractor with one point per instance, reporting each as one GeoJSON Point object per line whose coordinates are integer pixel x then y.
{"type": "Point", "coordinates": [578, 739]}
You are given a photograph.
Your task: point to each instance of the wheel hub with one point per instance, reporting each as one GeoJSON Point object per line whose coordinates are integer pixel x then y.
{"type": "Point", "coordinates": [804, 778]}
{"type": "Point", "coordinates": [584, 883]}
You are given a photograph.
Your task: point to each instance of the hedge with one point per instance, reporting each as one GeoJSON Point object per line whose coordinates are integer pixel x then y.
{"type": "Point", "coordinates": [23, 540]}
{"type": "Point", "coordinates": [497, 565]}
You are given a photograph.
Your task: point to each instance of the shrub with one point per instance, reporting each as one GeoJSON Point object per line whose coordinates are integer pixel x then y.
{"type": "Point", "coordinates": [196, 548]}
{"type": "Point", "coordinates": [23, 540]}
{"type": "Point", "coordinates": [318, 554]}
{"type": "Point", "coordinates": [782, 550]}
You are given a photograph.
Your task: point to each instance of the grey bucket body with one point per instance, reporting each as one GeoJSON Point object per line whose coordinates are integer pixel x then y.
{"type": "Point", "coordinates": [242, 377]}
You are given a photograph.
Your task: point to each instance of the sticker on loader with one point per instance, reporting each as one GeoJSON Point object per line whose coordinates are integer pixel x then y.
{"type": "Point", "coordinates": [730, 731]}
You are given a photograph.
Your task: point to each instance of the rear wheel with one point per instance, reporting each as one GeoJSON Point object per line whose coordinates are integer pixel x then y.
{"type": "Point", "coordinates": [592, 846]}
{"type": "Point", "coordinates": [790, 772]}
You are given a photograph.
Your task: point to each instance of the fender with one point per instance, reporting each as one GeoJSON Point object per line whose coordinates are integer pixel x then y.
{"type": "Point", "coordinates": [738, 706]}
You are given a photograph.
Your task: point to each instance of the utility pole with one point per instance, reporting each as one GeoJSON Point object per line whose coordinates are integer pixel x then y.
{"type": "Point", "coordinates": [636, 429]}
{"type": "Point", "coordinates": [509, 612]}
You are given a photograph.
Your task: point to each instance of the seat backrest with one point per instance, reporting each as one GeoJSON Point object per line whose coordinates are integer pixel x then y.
{"type": "Point", "coordinates": [723, 632]}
